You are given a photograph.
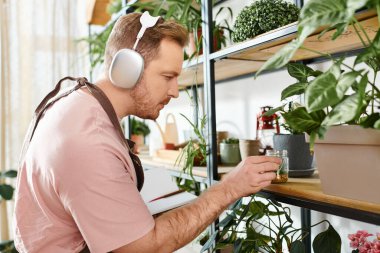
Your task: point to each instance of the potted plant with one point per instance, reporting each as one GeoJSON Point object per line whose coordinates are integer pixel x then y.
{"type": "Point", "coordinates": [263, 16]}
{"type": "Point", "coordinates": [6, 193]}
{"type": "Point", "coordinates": [341, 104]}
{"type": "Point", "coordinates": [188, 13]}
{"type": "Point", "coordinates": [139, 130]}
{"type": "Point", "coordinates": [229, 151]}
{"type": "Point", "coordinates": [193, 154]}
{"type": "Point", "coordinates": [300, 157]}
{"type": "Point", "coordinates": [264, 225]}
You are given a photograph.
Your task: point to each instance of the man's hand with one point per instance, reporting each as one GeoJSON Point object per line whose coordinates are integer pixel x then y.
{"type": "Point", "coordinates": [178, 227]}
{"type": "Point", "coordinates": [251, 175]}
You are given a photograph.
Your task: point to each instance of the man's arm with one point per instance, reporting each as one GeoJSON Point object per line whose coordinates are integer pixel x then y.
{"type": "Point", "coordinates": [178, 227]}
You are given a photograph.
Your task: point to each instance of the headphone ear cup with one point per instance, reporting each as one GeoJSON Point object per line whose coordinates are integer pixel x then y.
{"type": "Point", "coordinates": [126, 68]}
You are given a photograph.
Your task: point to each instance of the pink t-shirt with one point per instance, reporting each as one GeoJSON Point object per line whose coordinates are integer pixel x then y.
{"type": "Point", "coordinates": [77, 184]}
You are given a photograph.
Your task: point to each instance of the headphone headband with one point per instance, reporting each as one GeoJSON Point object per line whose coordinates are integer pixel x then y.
{"type": "Point", "coordinates": [146, 21]}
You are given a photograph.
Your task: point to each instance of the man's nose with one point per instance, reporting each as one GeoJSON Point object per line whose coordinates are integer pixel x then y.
{"type": "Point", "coordinates": [173, 90]}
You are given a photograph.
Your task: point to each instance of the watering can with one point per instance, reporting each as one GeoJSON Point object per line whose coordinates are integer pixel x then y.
{"type": "Point", "coordinates": [170, 134]}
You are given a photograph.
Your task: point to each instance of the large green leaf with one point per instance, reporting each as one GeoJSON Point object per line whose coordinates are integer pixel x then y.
{"type": "Point", "coordinates": [300, 71]}
{"type": "Point", "coordinates": [237, 245]}
{"type": "Point", "coordinates": [10, 173]}
{"type": "Point", "coordinates": [253, 235]}
{"type": "Point", "coordinates": [257, 208]}
{"type": "Point", "coordinates": [297, 247]}
{"type": "Point", "coordinates": [282, 57]}
{"type": "Point", "coordinates": [377, 124]}
{"type": "Point", "coordinates": [345, 82]}
{"type": "Point", "coordinates": [327, 242]}
{"type": "Point", "coordinates": [294, 89]}
{"type": "Point", "coordinates": [302, 121]}
{"type": "Point", "coordinates": [209, 242]}
{"type": "Point", "coordinates": [344, 111]}
{"type": "Point", "coordinates": [227, 220]}
{"type": "Point", "coordinates": [317, 13]}
{"type": "Point", "coordinates": [273, 111]}
{"type": "Point", "coordinates": [340, 28]}
{"type": "Point", "coordinates": [6, 191]}
{"type": "Point", "coordinates": [321, 92]}
{"type": "Point", "coordinates": [371, 55]}
{"type": "Point", "coordinates": [370, 120]}
{"type": "Point", "coordinates": [363, 85]}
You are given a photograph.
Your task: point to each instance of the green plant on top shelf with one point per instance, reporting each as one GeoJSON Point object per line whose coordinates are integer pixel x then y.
{"type": "Point", "coordinates": [264, 225]}
{"type": "Point", "coordinates": [344, 94]}
{"type": "Point", "coordinates": [6, 193]}
{"type": "Point", "coordinates": [230, 141]}
{"type": "Point", "coordinates": [188, 13]}
{"type": "Point", "coordinates": [263, 16]}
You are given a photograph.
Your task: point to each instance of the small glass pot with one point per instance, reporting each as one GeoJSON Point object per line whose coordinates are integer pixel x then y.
{"type": "Point", "coordinates": [282, 172]}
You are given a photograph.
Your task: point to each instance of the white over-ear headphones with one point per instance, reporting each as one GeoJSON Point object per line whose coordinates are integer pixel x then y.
{"type": "Point", "coordinates": [127, 65]}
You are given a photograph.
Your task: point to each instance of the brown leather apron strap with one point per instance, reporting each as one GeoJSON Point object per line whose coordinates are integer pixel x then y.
{"type": "Point", "coordinates": [99, 95]}
{"type": "Point", "coordinates": [107, 106]}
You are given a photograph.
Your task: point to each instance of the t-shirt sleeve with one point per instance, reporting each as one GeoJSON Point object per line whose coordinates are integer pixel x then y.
{"type": "Point", "coordinates": [104, 201]}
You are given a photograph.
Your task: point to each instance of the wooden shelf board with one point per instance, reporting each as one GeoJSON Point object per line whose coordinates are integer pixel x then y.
{"type": "Point", "coordinates": [304, 188]}
{"type": "Point", "coordinates": [250, 60]}
{"type": "Point", "coordinates": [310, 189]}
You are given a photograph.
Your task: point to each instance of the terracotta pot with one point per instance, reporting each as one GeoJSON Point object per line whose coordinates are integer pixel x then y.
{"type": "Point", "coordinates": [138, 140]}
{"type": "Point", "coordinates": [192, 48]}
{"type": "Point", "coordinates": [249, 148]}
{"type": "Point", "coordinates": [348, 161]}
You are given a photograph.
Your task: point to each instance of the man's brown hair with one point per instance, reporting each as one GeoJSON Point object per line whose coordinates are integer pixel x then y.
{"type": "Point", "coordinates": [125, 31]}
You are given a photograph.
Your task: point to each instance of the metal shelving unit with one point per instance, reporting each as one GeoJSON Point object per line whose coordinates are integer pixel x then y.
{"type": "Point", "coordinates": [237, 53]}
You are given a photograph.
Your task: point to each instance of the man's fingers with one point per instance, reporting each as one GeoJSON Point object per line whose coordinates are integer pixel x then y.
{"type": "Point", "coordinates": [265, 167]}
{"type": "Point", "coordinates": [263, 159]}
{"type": "Point", "coordinates": [268, 176]}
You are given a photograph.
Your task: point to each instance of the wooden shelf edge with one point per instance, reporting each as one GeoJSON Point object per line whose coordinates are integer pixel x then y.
{"type": "Point", "coordinates": [247, 57]}
{"type": "Point", "coordinates": [310, 189]}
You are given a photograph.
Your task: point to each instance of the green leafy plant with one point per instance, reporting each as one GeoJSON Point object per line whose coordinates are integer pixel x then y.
{"type": "Point", "coordinates": [6, 193]}
{"type": "Point", "coordinates": [97, 42]}
{"type": "Point", "coordinates": [6, 190]}
{"type": "Point", "coordinates": [7, 247]}
{"type": "Point", "coordinates": [230, 141]}
{"type": "Point", "coordinates": [188, 13]}
{"type": "Point", "coordinates": [263, 16]}
{"type": "Point", "coordinates": [114, 6]}
{"type": "Point", "coordinates": [139, 127]}
{"type": "Point", "coordinates": [194, 153]}
{"type": "Point", "coordinates": [343, 94]}
{"type": "Point", "coordinates": [264, 225]}
{"type": "Point", "coordinates": [302, 74]}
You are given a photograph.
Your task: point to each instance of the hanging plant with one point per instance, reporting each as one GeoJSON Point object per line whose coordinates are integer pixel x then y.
{"type": "Point", "coordinates": [263, 16]}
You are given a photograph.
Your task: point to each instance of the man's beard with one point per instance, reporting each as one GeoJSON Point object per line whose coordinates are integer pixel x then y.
{"type": "Point", "coordinates": [144, 104]}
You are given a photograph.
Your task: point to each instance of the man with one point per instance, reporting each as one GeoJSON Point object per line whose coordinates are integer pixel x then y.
{"type": "Point", "coordinates": [77, 183]}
